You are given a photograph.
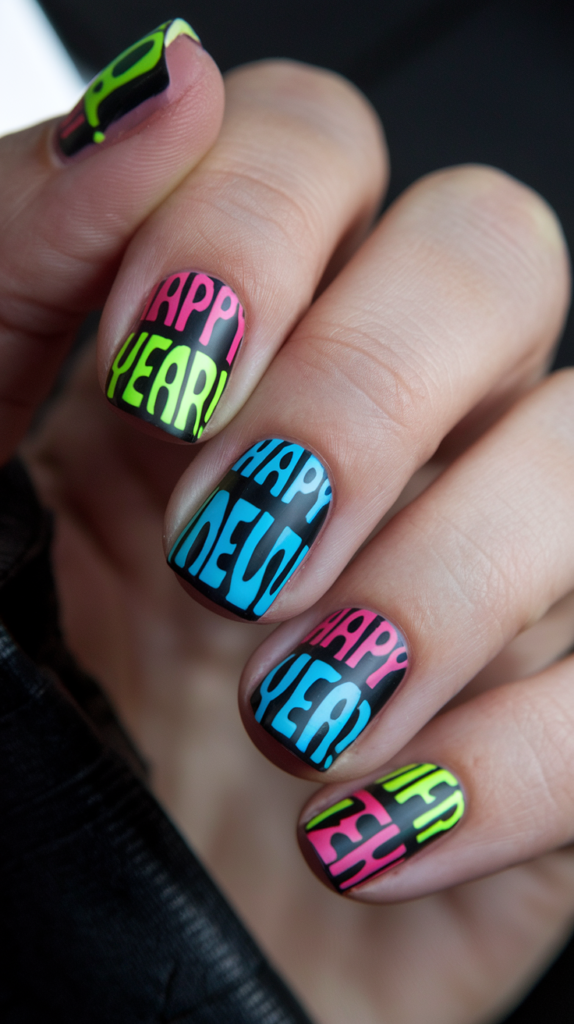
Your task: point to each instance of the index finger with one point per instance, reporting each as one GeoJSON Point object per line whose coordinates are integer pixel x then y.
{"type": "Point", "coordinates": [72, 194]}
{"type": "Point", "coordinates": [217, 278]}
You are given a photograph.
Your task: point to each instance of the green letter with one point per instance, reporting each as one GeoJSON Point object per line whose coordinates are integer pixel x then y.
{"type": "Point", "coordinates": [118, 367]}
{"type": "Point", "coordinates": [201, 364]}
{"type": "Point", "coordinates": [142, 369]}
{"type": "Point", "coordinates": [456, 801]}
{"type": "Point", "coordinates": [132, 63]}
{"type": "Point", "coordinates": [178, 357]}
{"type": "Point", "coordinates": [217, 395]}
{"type": "Point", "coordinates": [424, 786]}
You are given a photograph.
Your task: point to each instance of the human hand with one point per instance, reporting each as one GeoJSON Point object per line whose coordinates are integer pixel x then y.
{"type": "Point", "coordinates": [443, 320]}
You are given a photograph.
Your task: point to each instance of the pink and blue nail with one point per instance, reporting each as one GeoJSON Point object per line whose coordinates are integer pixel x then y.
{"type": "Point", "coordinates": [320, 698]}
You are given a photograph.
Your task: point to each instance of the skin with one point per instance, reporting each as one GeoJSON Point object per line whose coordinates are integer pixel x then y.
{"type": "Point", "coordinates": [428, 343]}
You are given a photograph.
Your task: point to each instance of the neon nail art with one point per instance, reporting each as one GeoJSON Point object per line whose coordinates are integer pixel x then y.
{"type": "Point", "coordinates": [138, 74]}
{"type": "Point", "coordinates": [319, 699]}
{"type": "Point", "coordinates": [378, 827]}
{"type": "Point", "coordinates": [173, 369]}
{"type": "Point", "coordinates": [246, 541]}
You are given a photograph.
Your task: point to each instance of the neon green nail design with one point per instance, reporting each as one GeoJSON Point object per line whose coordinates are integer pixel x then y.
{"type": "Point", "coordinates": [327, 814]}
{"type": "Point", "coordinates": [139, 73]}
{"type": "Point", "coordinates": [377, 828]}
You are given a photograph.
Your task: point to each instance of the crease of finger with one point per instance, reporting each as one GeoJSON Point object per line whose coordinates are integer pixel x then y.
{"type": "Point", "coordinates": [263, 213]}
{"type": "Point", "coordinates": [285, 225]}
{"type": "Point", "coordinates": [513, 749]}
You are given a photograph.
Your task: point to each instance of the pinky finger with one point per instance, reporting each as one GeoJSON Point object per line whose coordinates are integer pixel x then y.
{"type": "Point", "coordinates": [484, 786]}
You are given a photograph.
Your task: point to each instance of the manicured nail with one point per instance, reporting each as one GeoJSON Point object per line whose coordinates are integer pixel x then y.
{"type": "Point", "coordinates": [378, 827]}
{"type": "Point", "coordinates": [128, 90]}
{"type": "Point", "coordinates": [172, 369]}
{"type": "Point", "coordinates": [319, 699]}
{"type": "Point", "coordinates": [254, 530]}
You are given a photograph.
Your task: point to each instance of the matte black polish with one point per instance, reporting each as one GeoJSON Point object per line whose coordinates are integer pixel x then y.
{"type": "Point", "coordinates": [320, 698]}
{"type": "Point", "coordinates": [129, 89]}
{"type": "Point", "coordinates": [379, 827]}
{"type": "Point", "coordinates": [172, 369]}
{"type": "Point", "coordinates": [248, 538]}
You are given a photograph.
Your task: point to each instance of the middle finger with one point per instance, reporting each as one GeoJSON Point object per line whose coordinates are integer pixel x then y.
{"type": "Point", "coordinates": [458, 295]}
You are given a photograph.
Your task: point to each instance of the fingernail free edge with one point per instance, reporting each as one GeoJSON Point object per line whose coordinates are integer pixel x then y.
{"type": "Point", "coordinates": [139, 74]}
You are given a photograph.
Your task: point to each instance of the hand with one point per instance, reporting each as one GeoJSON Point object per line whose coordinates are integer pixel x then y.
{"type": "Point", "coordinates": [419, 359]}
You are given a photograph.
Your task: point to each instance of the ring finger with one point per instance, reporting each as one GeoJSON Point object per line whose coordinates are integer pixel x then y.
{"type": "Point", "coordinates": [498, 770]}
{"type": "Point", "coordinates": [480, 556]}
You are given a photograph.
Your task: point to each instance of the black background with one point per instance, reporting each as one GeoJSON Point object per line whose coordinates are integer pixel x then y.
{"type": "Point", "coordinates": [454, 81]}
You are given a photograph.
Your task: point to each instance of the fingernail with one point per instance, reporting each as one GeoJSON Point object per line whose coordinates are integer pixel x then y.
{"type": "Point", "coordinates": [379, 827]}
{"type": "Point", "coordinates": [173, 368]}
{"type": "Point", "coordinates": [126, 92]}
{"type": "Point", "coordinates": [255, 529]}
{"type": "Point", "coordinates": [319, 699]}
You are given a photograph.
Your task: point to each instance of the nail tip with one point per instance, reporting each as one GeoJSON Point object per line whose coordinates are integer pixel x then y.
{"type": "Point", "coordinates": [138, 74]}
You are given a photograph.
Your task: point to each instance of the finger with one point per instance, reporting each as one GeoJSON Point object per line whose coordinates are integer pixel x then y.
{"type": "Point", "coordinates": [532, 650]}
{"type": "Point", "coordinates": [510, 762]}
{"type": "Point", "coordinates": [296, 175]}
{"type": "Point", "coordinates": [70, 200]}
{"type": "Point", "coordinates": [481, 555]}
{"type": "Point", "coordinates": [465, 280]}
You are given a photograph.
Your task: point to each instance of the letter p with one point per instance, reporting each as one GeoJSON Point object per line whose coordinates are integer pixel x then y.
{"type": "Point", "coordinates": [306, 481]}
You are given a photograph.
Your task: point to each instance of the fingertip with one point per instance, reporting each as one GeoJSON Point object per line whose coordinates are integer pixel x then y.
{"type": "Point", "coordinates": [151, 77]}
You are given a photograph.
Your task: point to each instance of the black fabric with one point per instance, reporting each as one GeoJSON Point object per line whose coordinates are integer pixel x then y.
{"type": "Point", "coordinates": [454, 81]}
{"type": "Point", "coordinates": [105, 914]}
{"type": "Point", "coordinates": [29, 609]}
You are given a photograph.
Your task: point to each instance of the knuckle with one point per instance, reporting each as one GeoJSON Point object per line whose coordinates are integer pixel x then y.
{"type": "Point", "coordinates": [309, 127]}
{"type": "Point", "coordinates": [324, 99]}
{"type": "Point", "coordinates": [503, 228]}
{"type": "Point", "coordinates": [295, 164]}
{"type": "Point", "coordinates": [374, 383]}
{"type": "Point", "coordinates": [285, 232]}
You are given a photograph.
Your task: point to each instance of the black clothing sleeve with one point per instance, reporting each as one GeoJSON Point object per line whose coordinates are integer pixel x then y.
{"type": "Point", "coordinates": [105, 914]}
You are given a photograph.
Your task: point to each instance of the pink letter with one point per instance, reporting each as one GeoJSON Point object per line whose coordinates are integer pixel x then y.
{"type": "Point", "coordinates": [373, 865]}
{"type": "Point", "coordinates": [172, 300]}
{"type": "Point", "coordinates": [218, 313]}
{"type": "Point", "coordinates": [321, 839]}
{"type": "Point", "coordinates": [391, 665]}
{"type": "Point", "coordinates": [324, 627]}
{"type": "Point", "coordinates": [189, 304]}
{"type": "Point", "coordinates": [350, 638]}
{"type": "Point", "coordinates": [238, 334]}
{"type": "Point", "coordinates": [371, 646]}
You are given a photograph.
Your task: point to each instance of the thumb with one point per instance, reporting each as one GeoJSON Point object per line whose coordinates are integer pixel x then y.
{"type": "Point", "coordinates": [73, 193]}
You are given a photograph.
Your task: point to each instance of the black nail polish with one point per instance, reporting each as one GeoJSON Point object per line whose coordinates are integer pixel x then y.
{"type": "Point", "coordinates": [137, 75]}
{"type": "Point", "coordinates": [320, 698]}
{"type": "Point", "coordinates": [377, 828]}
{"type": "Point", "coordinates": [254, 530]}
{"type": "Point", "coordinates": [172, 370]}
